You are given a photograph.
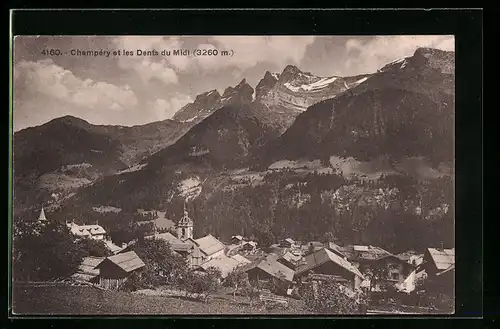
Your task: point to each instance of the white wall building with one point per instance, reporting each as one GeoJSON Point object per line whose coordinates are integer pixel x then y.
{"type": "Point", "coordinates": [95, 232]}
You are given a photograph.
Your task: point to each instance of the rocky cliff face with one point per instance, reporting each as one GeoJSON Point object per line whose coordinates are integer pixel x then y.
{"type": "Point", "coordinates": [204, 105]}
{"type": "Point", "coordinates": [294, 91]}
{"type": "Point", "coordinates": [240, 94]}
{"type": "Point", "coordinates": [406, 109]}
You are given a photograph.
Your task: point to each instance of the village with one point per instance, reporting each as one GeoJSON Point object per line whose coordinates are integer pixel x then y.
{"type": "Point", "coordinates": [276, 274]}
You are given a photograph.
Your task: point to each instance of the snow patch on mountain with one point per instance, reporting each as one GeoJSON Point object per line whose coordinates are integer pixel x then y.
{"type": "Point", "coordinates": [320, 84]}
{"type": "Point", "coordinates": [304, 164]}
{"type": "Point", "coordinates": [132, 169]}
{"type": "Point", "coordinates": [106, 209]}
{"type": "Point", "coordinates": [189, 188]}
{"type": "Point", "coordinates": [190, 119]}
{"type": "Point", "coordinates": [361, 80]}
{"type": "Point", "coordinates": [317, 85]}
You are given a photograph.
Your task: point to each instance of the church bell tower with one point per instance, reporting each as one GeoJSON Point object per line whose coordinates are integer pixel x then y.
{"type": "Point", "coordinates": [185, 226]}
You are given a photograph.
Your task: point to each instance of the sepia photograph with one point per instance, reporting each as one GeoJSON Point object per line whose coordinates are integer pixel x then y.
{"type": "Point", "coordinates": [233, 175]}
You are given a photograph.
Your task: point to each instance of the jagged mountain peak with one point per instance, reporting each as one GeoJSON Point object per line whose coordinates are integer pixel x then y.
{"type": "Point", "coordinates": [424, 59]}
{"type": "Point", "coordinates": [242, 93]}
{"type": "Point", "coordinates": [211, 93]}
{"type": "Point", "coordinates": [291, 69]}
{"type": "Point", "coordinates": [426, 52]}
{"type": "Point", "coordinates": [242, 83]}
{"type": "Point", "coordinates": [69, 119]}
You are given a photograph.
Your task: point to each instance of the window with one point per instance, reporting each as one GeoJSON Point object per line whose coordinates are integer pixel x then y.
{"type": "Point", "coordinates": [183, 231]}
{"type": "Point", "coordinates": [394, 275]}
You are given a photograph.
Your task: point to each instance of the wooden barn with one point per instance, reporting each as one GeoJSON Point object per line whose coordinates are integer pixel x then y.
{"type": "Point", "coordinates": [114, 270]}
{"type": "Point", "coordinates": [326, 262]}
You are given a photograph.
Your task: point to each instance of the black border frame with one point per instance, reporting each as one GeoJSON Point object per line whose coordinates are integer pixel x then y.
{"type": "Point", "coordinates": [466, 25]}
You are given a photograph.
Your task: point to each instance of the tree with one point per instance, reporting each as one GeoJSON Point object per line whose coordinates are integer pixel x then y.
{"type": "Point", "coordinates": [330, 297]}
{"type": "Point", "coordinates": [328, 237]}
{"type": "Point", "coordinates": [252, 291]}
{"type": "Point", "coordinates": [96, 248]}
{"type": "Point", "coordinates": [44, 251]}
{"type": "Point", "coordinates": [236, 280]}
{"type": "Point", "coordinates": [203, 284]}
{"type": "Point", "coordinates": [378, 276]}
{"type": "Point", "coordinates": [163, 267]}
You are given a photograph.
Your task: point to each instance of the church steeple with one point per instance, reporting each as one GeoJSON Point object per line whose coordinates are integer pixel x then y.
{"type": "Point", "coordinates": [42, 218]}
{"type": "Point", "coordinates": [185, 226]}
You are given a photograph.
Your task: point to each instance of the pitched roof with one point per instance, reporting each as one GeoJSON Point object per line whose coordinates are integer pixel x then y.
{"type": "Point", "coordinates": [87, 230]}
{"type": "Point", "coordinates": [224, 263]}
{"type": "Point", "coordinates": [323, 256]}
{"type": "Point", "coordinates": [128, 261]}
{"type": "Point", "coordinates": [253, 244]}
{"type": "Point", "coordinates": [175, 243]}
{"type": "Point", "coordinates": [290, 257]}
{"type": "Point", "coordinates": [209, 245]}
{"type": "Point", "coordinates": [357, 252]}
{"type": "Point", "coordinates": [167, 236]}
{"type": "Point", "coordinates": [241, 259]}
{"type": "Point", "coordinates": [289, 240]}
{"type": "Point", "coordinates": [442, 258]}
{"type": "Point", "coordinates": [451, 268]}
{"type": "Point", "coordinates": [88, 265]}
{"type": "Point", "coordinates": [238, 237]}
{"type": "Point", "coordinates": [113, 247]}
{"type": "Point", "coordinates": [335, 248]}
{"type": "Point", "coordinates": [270, 266]}
{"type": "Point", "coordinates": [181, 247]}
{"type": "Point", "coordinates": [275, 269]}
{"type": "Point", "coordinates": [96, 229]}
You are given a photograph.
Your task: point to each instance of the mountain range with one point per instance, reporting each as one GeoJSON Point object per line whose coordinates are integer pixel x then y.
{"type": "Point", "coordinates": [396, 122]}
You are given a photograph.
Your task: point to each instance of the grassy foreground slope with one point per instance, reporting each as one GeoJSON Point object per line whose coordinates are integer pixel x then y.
{"type": "Point", "coordinates": [81, 300]}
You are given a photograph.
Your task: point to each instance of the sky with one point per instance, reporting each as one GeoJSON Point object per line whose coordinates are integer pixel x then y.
{"type": "Point", "coordinates": [119, 89]}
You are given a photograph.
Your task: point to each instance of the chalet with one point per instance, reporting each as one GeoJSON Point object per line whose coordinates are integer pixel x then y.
{"type": "Point", "coordinates": [269, 272]}
{"type": "Point", "coordinates": [180, 247]}
{"type": "Point", "coordinates": [395, 271]}
{"type": "Point", "coordinates": [114, 270]}
{"type": "Point", "coordinates": [249, 246]}
{"type": "Point", "coordinates": [437, 260]}
{"type": "Point", "coordinates": [236, 239]}
{"type": "Point", "coordinates": [377, 262]}
{"type": "Point", "coordinates": [210, 246]}
{"type": "Point", "coordinates": [225, 264]}
{"type": "Point", "coordinates": [357, 254]}
{"type": "Point", "coordinates": [87, 271]}
{"type": "Point", "coordinates": [290, 260]}
{"type": "Point", "coordinates": [287, 243]}
{"type": "Point", "coordinates": [326, 262]}
{"type": "Point", "coordinates": [439, 264]}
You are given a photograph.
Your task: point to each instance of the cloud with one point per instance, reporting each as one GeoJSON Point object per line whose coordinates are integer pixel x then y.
{"type": "Point", "coordinates": [165, 109]}
{"type": "Point", "coordinates": [368, 56]}
{"type": "Point", "coordinates": [52, 80]}
{"type": "Point", "coordinates": [251, 50]}
{"type": "Point", "coordinates": [148, 67]}
{"type": "Point", "coordinates": [247, 51]}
